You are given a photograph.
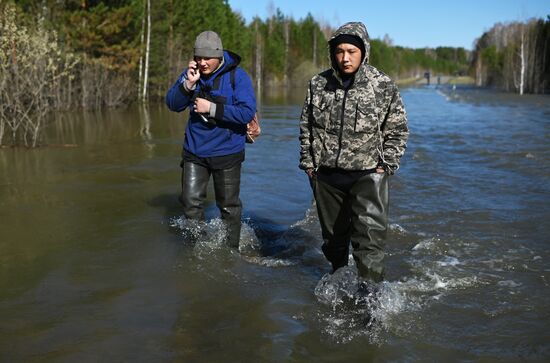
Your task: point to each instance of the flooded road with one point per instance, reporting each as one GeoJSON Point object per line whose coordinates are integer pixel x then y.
{"type": "Point", "coordinates": [96, 263]}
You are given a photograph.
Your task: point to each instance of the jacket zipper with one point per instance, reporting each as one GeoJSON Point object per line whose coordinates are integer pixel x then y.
{"type": "Point", "coordinates": [341, 126]}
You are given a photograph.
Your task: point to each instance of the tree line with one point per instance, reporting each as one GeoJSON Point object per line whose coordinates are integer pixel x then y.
{"type": "Point", "coordinates": [67, 54]}
{"type": "Point", "coordinates": [514, 57]}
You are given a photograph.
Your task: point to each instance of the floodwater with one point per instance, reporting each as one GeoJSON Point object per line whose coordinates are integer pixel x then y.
{"type": "Point", "coordinates": [97, 265]}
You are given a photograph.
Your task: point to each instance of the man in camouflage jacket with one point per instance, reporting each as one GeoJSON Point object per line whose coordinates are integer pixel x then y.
{"type": "Point", "coordinates": [353, 132]}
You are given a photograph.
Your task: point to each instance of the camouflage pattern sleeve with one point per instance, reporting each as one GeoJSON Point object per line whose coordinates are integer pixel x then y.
{"type": "Point", "coordinates": [306, 159]}
{"type": "Point", "coordinates": [395, 132]}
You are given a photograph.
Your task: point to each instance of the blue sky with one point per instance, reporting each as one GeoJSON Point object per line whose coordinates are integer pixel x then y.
{"type": "Point", "coordinates": [410, 23]}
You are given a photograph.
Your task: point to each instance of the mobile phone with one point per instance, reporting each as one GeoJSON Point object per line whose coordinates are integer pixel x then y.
{"type": "Point", "coordinates": [195, 69]}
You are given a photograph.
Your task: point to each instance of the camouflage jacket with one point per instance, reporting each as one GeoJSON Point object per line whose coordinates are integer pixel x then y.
{"type": "Point", "coordinates": [358, 128]}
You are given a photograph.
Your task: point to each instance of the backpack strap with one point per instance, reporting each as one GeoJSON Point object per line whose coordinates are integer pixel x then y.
{"type": "Point", "coordinates": [216, 83]}
{"type": "Point", "coordinates": [232, 77]}
{"type": "Point", "coordinates": [217, 80]}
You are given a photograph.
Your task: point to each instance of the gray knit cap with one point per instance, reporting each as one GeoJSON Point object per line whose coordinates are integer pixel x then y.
{"type": "Point", "coordinates": [209, 45]}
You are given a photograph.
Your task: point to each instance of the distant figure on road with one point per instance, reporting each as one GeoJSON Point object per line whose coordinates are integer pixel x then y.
{"type": "Point", "coordinates": [353, 132]}
{"type": "Point", "coordinates": [221, 100]}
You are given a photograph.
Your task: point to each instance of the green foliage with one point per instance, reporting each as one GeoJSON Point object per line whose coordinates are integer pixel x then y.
{"type": "Point", "coordinates": [306, 46]}
{"type": "Point", "coordinates": [33, 69]}
{"type": "Point", "coordinates": [384, 57]}
{"type": "Point", "coordinates": [106, 35]}
{"type": "Point", "coordinates": [498, 62]}
{"type": "Point", "coordinates": [176, 23]}
{"type": "Point", "coordinates": [274, 56]}
{"type": "Point", "coordinates": [111, 37]}
{"type": "Point", "coordinates": [493, 59]}
{"type": "Point", "coordinates": [402, 62]}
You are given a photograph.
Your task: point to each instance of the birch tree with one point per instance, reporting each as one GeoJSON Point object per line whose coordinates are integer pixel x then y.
{"type": "Point", "coordinates": [141, 48]}
{"type": "Point", "coordinates": [522, 60]}
{"type": "Point", "coordinates": [147, 51]}
{"type": "Point", "coordinates": [258, 57]}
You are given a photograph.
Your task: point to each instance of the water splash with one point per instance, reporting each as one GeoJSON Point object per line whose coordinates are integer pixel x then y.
{"type": "Point", "coordinates": [249, 244]}
{"type": "Point", "coordinates": [449, 261]}
{"type": "Point", "coordinates": [208, 238]}
{"type": "Point", "coordinates": [337, 288]}
{"type": "Point", "coordinates": [354, 309]}
{"type": "Point", "coordinates": [391, 307]}
{"type": "Point", "coordinates": [394, 227]}
{"type": "Point", "coordinates": [426, 244]}
{"type": "Point", "coordinates": [394, 308]}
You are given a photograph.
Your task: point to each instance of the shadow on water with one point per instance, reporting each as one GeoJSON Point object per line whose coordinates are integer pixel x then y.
{"type": "Point", "coordinates": [293, 242]}
{"type": "Point", "coordinates": [169, 203]}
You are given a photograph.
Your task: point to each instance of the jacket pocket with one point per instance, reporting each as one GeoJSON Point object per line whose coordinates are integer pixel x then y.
{"type": "Point", "coordinates": [366, 118]}
{"type": "Point", "coordinates": [321, 107]}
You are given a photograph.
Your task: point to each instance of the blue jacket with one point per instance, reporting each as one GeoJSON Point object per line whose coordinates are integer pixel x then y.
{"type": "Point", "coordinates": [226, 133]}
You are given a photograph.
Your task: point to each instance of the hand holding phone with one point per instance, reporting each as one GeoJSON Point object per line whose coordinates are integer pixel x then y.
{"type": "Point", "coordinates": [193, 73]}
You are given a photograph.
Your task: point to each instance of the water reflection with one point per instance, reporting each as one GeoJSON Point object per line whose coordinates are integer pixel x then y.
{"type": "Point", "coordinates": [96, 264]}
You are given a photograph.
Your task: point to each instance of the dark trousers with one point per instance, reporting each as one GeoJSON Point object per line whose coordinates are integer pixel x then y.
{"type": "Point", "coordinates": [359, 215]}
{"type": "Point", "coordinates": [194, 182]}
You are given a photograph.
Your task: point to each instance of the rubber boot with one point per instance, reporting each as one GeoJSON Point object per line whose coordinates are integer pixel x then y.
{"type": "Point", "coordinates": [334, 215]}
{"type": "Point", "coordinates": [194, 182]}
{"type": "Point", "coordinates": [227, 188]}
{"type": "Point", "coordinates": [369, 203]}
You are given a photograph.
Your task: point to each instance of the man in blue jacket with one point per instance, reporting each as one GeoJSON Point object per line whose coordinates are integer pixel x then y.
{"type": "Point", "coordinates": [221, 102]}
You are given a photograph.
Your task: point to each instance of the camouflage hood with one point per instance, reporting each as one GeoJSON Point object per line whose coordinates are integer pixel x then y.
{"type": "Point", "coordinates": [359, 126]}
{"type": "Point", "coordinates": [357, 29]}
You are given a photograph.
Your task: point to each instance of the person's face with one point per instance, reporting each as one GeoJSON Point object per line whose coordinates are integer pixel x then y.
{"type": "Point", "coordinates": [348, 58]}
{"type": "Point", "coordinates": [207, 65]}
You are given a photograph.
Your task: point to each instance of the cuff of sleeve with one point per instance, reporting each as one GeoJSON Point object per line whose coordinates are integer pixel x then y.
{"type": "Point", "coordinates": [213, 108]}
{"type": "Point", "coordinates": [390, 169]}
{"type": "Point", "coordinates": [218, 114]}
{"type": "Point", "coordinates": [184, 89]}
{"type": "Point", "coordinates": [305, 165]}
